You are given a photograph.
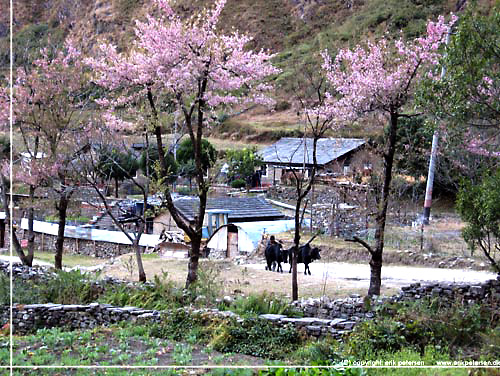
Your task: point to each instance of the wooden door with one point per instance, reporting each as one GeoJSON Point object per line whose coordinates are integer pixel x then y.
{"type": "Point", "coordinates": [232, 241]}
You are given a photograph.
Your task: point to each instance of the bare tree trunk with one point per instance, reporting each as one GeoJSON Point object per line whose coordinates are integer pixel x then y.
{"type": "Point", "coordinates": [13, 236]}
{"type": "Point", "coordinates": [62, 207]}
{"type": "Point", "coordinates": [116, 187]}
{"type": "Point", "coordinates": [194, 256]}
{"type": "Point", "coordinates": [31, 232]}
{"type": "Point", "coordinates": [138, 256]}
{"type": "Point", "coordinates": [376, 254]}
{"type": "Point", "coordinates": [295, 284]}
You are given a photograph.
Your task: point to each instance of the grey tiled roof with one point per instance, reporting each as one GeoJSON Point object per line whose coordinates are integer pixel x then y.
{"type": "Point", "coordinates": [291, 150]}
{"type": "Point", "coordinates": [241, 208]}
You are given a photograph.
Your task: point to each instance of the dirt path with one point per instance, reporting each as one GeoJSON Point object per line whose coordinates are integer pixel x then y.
{"type": "Point", "coordinates": [357, 275]}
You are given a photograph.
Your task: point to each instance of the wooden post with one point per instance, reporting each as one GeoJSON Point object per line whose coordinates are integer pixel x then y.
{"type": "Point", "coordinates": [43, 242]}
{"type": "Point", "coordinates": [77, 246]}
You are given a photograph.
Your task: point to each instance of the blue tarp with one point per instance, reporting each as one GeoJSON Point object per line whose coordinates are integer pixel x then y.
{"type": "Point", "coordinates": [254, 230]}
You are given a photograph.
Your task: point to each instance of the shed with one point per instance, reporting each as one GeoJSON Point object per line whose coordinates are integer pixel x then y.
{"type": "Point", "coordinates": [243, 237]}
{"type": "Point", "coordinates": [333, 155]}
{"type": "Point", "coordinates": [237, 209]}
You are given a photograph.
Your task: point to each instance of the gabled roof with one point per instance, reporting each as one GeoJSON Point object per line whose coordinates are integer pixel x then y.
{"type": "Point", "coordinates": [290, 151]}
{"type": "Point", "coordinates": [241, 208]}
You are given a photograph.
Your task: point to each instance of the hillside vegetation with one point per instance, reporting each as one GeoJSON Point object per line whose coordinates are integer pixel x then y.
{"type": "Point", "coordinates": [295, 30]}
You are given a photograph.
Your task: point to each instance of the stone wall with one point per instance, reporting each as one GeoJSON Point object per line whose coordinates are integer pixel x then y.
{"type": "Point", "coordinates": [328, 213]}
{"type": "Point", "coordinates": [324, 317]}
{"type": "Point", "coordinates": [30, 317]}
{"type": "Point", "coordinates": [357, 308]}
{"type": "Point", "coordinates": [83, 247]}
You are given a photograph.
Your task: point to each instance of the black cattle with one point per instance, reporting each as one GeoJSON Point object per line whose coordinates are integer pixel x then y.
{"type": "Point", "coordinates": [275, 255]}
{"type": "Point", "coordinates": [306, 256]}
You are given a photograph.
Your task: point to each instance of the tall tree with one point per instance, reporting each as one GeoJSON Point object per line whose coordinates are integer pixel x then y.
{"type": "Point", "coordinates": [186, 160]}
{"type": "Point", "coordinates": [479, 207]}
{"type": "Point", "coordinates": [48, 101]}
{"type": "Point", "coordinates": [187, 64]}
{"type": "Point", "coordinates": [380, 77]}
{"type": "Point", "coordinates": [242, 164]}
{"type": "Point", "coordinates": [315, 89]}
{"type": "Point", "coordinates": [469, 93]}
{"type": "Point", "coordinates": [130, 221]}
{"type": "Point", "coordinates": [116, 165]}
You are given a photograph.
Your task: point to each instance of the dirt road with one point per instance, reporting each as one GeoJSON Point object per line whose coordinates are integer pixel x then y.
{"type": "Point", "coordinates": [357, 275]}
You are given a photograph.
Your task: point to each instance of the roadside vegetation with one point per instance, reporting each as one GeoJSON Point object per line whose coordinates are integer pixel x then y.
{"type": "Point", "coordinates": [424, 331]}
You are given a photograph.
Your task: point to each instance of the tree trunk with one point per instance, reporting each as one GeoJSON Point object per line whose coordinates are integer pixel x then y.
{"type": "Point", "coordinates": [194, 256]}
{"type": "Point", "coordinates": [296, 246]}
{"type": "Point", "coordinates": [31, 232]}
{"type": "Point", "coordinates": [295, 285]}
{"type": "Point", "coordinates": [376, 259]}
{"type": "Point", "coordinates": [116, 187]}
{"type": "Point", "coordinates": [138, 256]}
{"type": "Point", "coordinates": [375, 275]}
{"type": "Point", "coordinates": [13, 236]}
{"type": "Point", "coordinates": [62, 207]}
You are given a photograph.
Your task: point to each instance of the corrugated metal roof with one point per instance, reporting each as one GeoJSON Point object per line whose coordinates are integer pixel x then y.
{"type": "Point", "coordinates": [291, 150]}
{"type": "Point", "coordinates": [242, 208]}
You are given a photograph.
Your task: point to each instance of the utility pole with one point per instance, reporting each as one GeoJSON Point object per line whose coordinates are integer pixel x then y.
{"type": "Point", "coordinates": [432, 162]}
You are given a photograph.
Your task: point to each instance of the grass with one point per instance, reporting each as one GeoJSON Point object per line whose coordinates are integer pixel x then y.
{"type": "Point", "coordinates": [69, 260]}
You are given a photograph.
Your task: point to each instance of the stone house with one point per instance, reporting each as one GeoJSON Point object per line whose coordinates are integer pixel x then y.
{"type": "Point", "coordinates": [335, 156]}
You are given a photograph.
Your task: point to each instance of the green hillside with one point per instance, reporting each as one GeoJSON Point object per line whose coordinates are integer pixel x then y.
{"type": "Point", "coordinates": [295, 30]}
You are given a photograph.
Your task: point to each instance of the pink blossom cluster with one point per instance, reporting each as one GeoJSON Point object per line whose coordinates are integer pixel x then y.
{"type": "Point", "coordinates": [479, 147]}
{"type": "Point", "coordinates": [174, 57]}
{"type": "Point", "coordinates": [45, 99]}
{"type": "Point", "coordinates": [379, 76]}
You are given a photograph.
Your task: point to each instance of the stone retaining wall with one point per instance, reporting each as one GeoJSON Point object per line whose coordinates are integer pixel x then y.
{"type": "Point", "coordinates": [324, 316]}
{"type": "Point", "coordinates": [30, 317]}
{"type": "Point", "coordinates": [357, 308]}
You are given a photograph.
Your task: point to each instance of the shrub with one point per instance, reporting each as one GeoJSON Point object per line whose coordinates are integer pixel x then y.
{"type": "Point", "coordinates": [256, 337]}
{"type": "Point", "coordinates": [325, 351]}
{"type": "Point", "coordinates": [69, 288]}
{"type": "Point", "coordinates": [417, 325]}
{"type": "Point", "coordinates": [160, 296]}
{"type": "Point", "coordinates": [258, 304]}
{"type": "Point", "coordinates": [238, 183]}
{"type": "Point", "coordinates": [208, 283]}
{"type": "Point", "coordinates": [252, 337]}
{"type": "Point", "coordinates": [65, 288]}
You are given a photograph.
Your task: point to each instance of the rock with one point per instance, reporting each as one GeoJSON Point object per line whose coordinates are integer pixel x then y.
{"type": "Point", "coordinates": [272, 317]}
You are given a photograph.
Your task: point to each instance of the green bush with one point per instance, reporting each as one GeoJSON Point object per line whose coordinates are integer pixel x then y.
{"type": "Point", "coordinates": [258, 304]}
{"type": "Point", "coordinates": [160, 296]}
{"type": "Point", "coordinates": [4, 289]}
{"type": "Point", "coordinates": [418, 325]}
{"type": "Point", "coordinates": [325, 351]}
{"type": "Point", "coordinates": [252, 337]}
{"type": "Point", "coordinates": [69, 288]}
{"type": "Point", "coordinates": [256, 337]}
{"type": "Point", "coordinates": [238, 183]}
{"type": "Point", "coordinates": [65, 288]}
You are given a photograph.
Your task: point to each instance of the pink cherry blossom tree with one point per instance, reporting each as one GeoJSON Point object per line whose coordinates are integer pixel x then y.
{"type": "Point", "coordinates": [191, 66]}
{"type": "Point", "coordinates": [380, 77]}
{"type": "Point", "coordinates": [48, 104]}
